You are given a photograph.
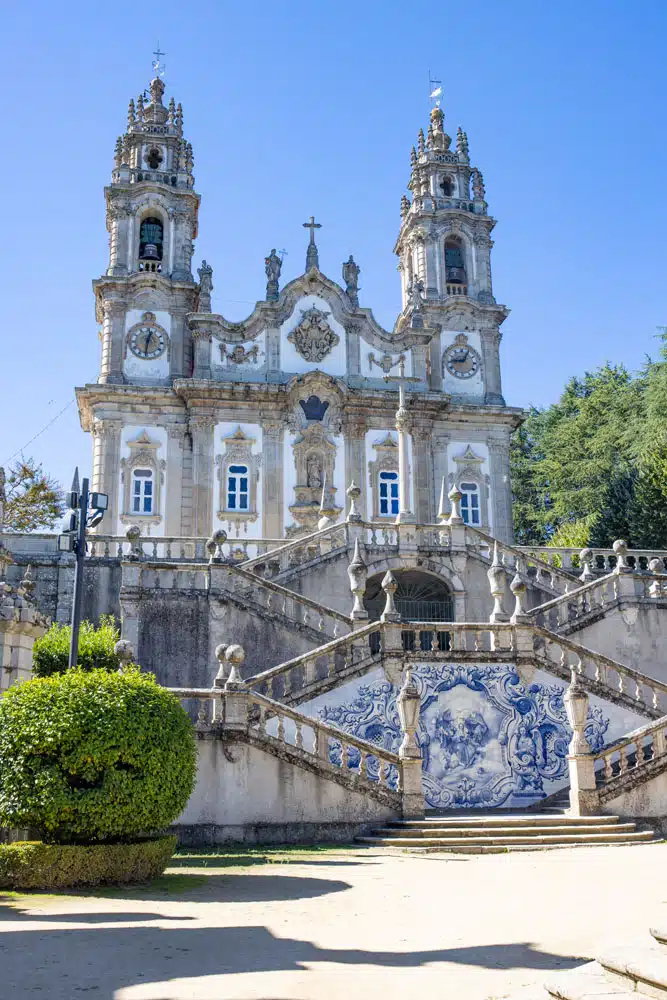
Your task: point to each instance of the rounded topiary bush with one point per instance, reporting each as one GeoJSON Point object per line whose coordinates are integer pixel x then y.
{"type": "Point", "coordinates": [92, 756]}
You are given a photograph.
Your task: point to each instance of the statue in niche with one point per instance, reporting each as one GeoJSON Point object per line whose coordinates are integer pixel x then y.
{"type": "Point", "coordinates": [314, 472]}
{"type": "Point", "coordinates": [351, 272]}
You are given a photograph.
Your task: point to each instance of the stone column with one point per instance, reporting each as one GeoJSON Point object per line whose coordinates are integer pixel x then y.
{"type": "Point", "coordinates": [440, 442]}
{"type": "Point", "coordinates": [113, 341]}
{"type": "Point", "coordinates": [272, 479]}
{"type": "Point", "coordinates": [493, 392]}
{"type": "Point", "coordinates": [354, 433]}
{"type": "Point", "coordinates": [201, 428]}
{"type": "Point", "coordinates": [405, 515]}
{"type": "Point", "coordinates": [501, 490]}
{"type": "Point", "coordinates": [202, 347]}
{"type": "Point", "coordinates": [584, 797]}
{"type": "Point", "coordinates": [431, 279]}
{"type": "Point", "coordinates": [106, 470]}
{"type": "Point", "coordinates": [174, 473]}
{"type": "Point", "coordinates": [422, 435]}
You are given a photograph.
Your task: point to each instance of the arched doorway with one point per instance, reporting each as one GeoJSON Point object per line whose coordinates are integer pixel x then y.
{"type": "Point", "coordinates": [420, 597]}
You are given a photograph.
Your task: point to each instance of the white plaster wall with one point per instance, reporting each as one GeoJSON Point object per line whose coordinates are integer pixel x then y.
{"type": "Point", "coordinates": [258, 787]}
{"type": "Point", "coordinates": [159, 434]}
{"type": "Point", "coordinates": [369, 370]}
{"type": "Point", "coordinates": [236, 529]}
{"type": "Point", "coordinates": [633, 634]}
{"type": "Point", "coordinates": [456, 449]}
{"type": "Point", "coordinates": [289, 474]}
{"type": "Point", "coordinates": [646, 799]}
{"type": "Point", "coordinates": [239, 372]}
{"type": "Point", "coordinates": [335, 363]}
{"type": "Point", "coordinates": [157, 368]}
{"type": "Point", "coordinates": [373, 437]}
{"type": "Point", "coordinates": [473, 386]}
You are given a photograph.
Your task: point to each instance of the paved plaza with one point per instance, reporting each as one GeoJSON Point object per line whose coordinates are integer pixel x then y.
{"type": "Point", "coordinates": [335, 925]}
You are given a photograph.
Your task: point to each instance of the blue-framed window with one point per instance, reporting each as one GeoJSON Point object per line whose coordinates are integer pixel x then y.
{"type": "Point", "coordinates": [470, 509]}
{"type": "Point", "coordinates": [238, 496]}
{"type": "Point", "coordinates": [142, 491]}
{"type": "Point", "coordinates": [388, 485]}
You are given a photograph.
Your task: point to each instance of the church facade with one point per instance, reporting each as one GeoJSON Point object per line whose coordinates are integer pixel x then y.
{"type": "Point", "coordinates": [258, 427]}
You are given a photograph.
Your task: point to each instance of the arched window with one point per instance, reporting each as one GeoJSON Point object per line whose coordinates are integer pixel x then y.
{"type": "Point", "coordinates": [446, 186]}
{"type": "Point", "coordinates": [238, 495]}
{"type": "Point", "coordinates": [455, 268]}
{"type": "Point", "coordinates": [388, 488]}
{"type": "Point", "coordinates": [470, 509]}
{"type": "Point", "coordinates": [142, 491]}
{"type": "Point", "coordinates": [151, 239]}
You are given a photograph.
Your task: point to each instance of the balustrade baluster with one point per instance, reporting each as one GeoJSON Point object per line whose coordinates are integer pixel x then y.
{"type": "Point", "coordinates": [383, 772]}
{"type": "Point", "coordinates": [374, 539]}
{"type": "Point", "coordinates": [638, 691]}
{"type": "Point", "coordinates": [363, 765]}
{"type": "Point", "coordinates": [287, 683]}
{"type": "Point", "coordinates": [322, 744]}
{"type": "Point", "coordinates": [298, 739]}
{"type": "Point", "coordinates": [331, 666]}
{"type": "Point", "coordinates": [281, 727]}
{"type": "Point", "coordinates": [336, 628]}
{"type": "Point", "coordinates": [269, 601]}
{"type": "Point", "coordinates": [654, 699]}
{"type": "Point", "coordinates": [310, 669]}
{"type": "Point", "coordinates": [608, 767]}
{"type": "Point", "coordinates": [658, 743]}
{"type": "Point", "coordinates": [477, 641]}
{"type": "Point", "coordinates": [305, 618]}
{"type": "Point", "coordinates": [621, 683]}
{"type": "Point", "coordinates": [622, 760]}
{"type": "Point", "coordinates": [347, 756]}
{"type": "Point", "coordinates": [434, 642]}
{"type": "Point", "coordinates": [320, 623]}
{"type": "Point", "coordinates": [262, 720]}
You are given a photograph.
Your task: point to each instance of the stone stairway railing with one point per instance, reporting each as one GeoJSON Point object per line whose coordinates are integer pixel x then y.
{"type": "Point", "coordinates": [515, 559]}
{"type": "Point", "coordinates": [603, 561]}
{"type": "Point", "coordinates": [235, 712]}
{"type": "Point", "coordinates": [173, 548]}
{"type": "Point", "coordinates": [631, 760]}
{"type": "Point", "coordinates": [591, 599]}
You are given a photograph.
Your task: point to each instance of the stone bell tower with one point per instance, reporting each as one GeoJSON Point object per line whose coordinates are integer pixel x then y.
{"type": "Point", "coordinates": [444, 251]}
{"type": "Point", "coordinates": [151, 218]}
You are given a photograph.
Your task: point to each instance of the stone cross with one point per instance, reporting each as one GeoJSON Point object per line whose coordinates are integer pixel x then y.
{"type": "Point", "coordinates": [312, 258]}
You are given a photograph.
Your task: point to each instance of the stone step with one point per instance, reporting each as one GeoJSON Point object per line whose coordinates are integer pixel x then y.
{"type": "Point", "coordinates": [444, 832]}
{"type": "Point", "coordinates": [588, 982]}
{"type": "Point", "coordinates": [494, 841]}
{"type": "Point", "coordinates": [643, 970]}
{"type": "Point", "coordinates": [503, 820]}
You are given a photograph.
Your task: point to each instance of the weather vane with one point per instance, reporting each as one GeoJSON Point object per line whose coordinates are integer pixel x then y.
{"type": "Point", "coordinates": [158, 65]}
{"type": "Point", "coordinates": [434, 90]}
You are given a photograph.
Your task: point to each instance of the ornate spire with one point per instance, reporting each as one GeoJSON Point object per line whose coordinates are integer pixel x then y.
{"type": "Point", "coordinates": [405, 205]}
{"type": "Point", "coordinates": [420, 141]}
{"type": "Point", "coordinates": [140, 109]}
{"type": "Point", "coordinates": [413, 157]}
{"type": "Point", "coordinates": [462, 143]}
{"type": "Point", "coordinates": [171, 114]}
{"type": "Point", "coordinates": [131, 114]}
{"type": "Point", "coordinates": [179, 118]}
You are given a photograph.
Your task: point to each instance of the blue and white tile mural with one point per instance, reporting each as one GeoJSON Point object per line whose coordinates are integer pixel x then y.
{"type": "Point", "coordinates": [487, 738]}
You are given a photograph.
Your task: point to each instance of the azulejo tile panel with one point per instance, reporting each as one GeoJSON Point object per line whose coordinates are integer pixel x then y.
{"type": "Point", "coordinates": [487, 739]}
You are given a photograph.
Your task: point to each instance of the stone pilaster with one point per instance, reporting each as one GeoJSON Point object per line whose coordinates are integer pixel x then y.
{"type": "Point", "coordinates": [273, 353]}
{"type": "Point", "coordinates": [418, 353]}
{"type": "Point", "coordinates": [440, 466]}
{"type": "Point", "coordinates": [178, 335]}
{"type": "Point", "coordinates": [424, 488]}
{"type": "Point", "coordinates": [113, 338]}
{"type": "Point", "coordinates": [491, 359]}
{"type": "Point", "coordinates": [353, 350]}
{"type": "Point", "coordinates": [356, 469]}
{"type": "Point", "coordinates": [202, 347]}
{"type": "Point", "coordinates": [435, 363]}
{"type": "Point", "coordinates": [501, 491]}
{"type": "Point", "coordinates": [106, 470]}
{"type": "Point", "coordinates": [183, 223]}
{"type": "Point", "coordinates": [431, 282]}
{"type": "Point", "coordinates": [118, 216]}
{"type": "Point", "coordinates": [176, 434]}
{"type": "Point", "coordinates": [201, 428]}
{"type": "Point", "coordinates": [272, 479]}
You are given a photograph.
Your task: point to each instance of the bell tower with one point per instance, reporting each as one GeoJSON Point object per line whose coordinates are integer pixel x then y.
{"type": "Point", "coordinates": [444, 250]}
{"type": "Point", "coordinates": [151, 216]}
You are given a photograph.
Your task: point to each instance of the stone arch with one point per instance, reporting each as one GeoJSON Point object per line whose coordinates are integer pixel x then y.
{"type": "Point", "coordinates": [421, 596]}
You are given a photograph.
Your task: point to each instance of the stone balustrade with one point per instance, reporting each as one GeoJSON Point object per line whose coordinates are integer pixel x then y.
{"type": "Point", "coordinates": [596, 596]}
{"type": "Point", "coordinates": [302, 610]}
{"type": "Point", "coordinates": [525, 562]}
{"type": "Point", "coordinates": [603, 560]}
{"type": "Point", "coordinates": [175, 549]}
{"type": "Point", "coordinates": [629, 757]}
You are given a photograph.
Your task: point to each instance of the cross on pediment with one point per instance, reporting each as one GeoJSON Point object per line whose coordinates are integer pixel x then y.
{"type": "Point", "coordinates": [312, 225]}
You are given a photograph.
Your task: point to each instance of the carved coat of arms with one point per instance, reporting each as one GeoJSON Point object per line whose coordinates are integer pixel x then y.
{"type": "Point", "coordinates": [313, 337]}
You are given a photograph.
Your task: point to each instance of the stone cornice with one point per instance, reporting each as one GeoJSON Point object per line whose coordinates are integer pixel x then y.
{"type": "Point", "coordinates": [274, 314]}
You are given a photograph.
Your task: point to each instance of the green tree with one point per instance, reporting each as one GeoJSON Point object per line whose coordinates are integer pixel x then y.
{"type": "Point", "coordinates": [50, 654]}
{"type": "Point", "coordinates": [32, 499]}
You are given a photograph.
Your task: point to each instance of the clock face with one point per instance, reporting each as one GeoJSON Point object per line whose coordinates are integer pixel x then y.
{"type": "Point", "coordinates": [147, 342]}
{"type": "Point", "coordinates": [461, 361]}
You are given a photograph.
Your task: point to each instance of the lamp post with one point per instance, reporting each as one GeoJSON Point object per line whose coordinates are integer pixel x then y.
{"type": "Point", "coordinates": [86, 511]}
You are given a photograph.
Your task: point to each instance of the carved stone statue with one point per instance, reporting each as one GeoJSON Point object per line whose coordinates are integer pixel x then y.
{"type": "Point", "coordinates": [416, 304]}
{"type": "Point", "coordinates": [273, 265]}
{"type": "Point", "coordinates": [205, 273]}
{"type": "Point", "coordinates": [351, 272]}
{"type": "Point", "coordinates": [478, 189]}
{"type": "Point", "coordinates": [313, 473]}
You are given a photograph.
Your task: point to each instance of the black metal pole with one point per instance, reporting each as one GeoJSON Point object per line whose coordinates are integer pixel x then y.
{"type": "Point", "coordinates": [80, 550]}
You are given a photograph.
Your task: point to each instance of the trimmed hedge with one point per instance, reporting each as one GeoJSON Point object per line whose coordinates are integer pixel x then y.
{"type": "Point", "coordinates": [34, 865]}
{"type": "Point", "coordinates": [50, 653]}
{"type": "Point", "coordinates": [89, 757]}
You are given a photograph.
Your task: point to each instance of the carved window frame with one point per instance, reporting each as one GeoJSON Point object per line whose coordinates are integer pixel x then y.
{"type": "Point", "coordinates": [386, 460]}
{"type": "Point", "coordinates": [469, 470]}
{"type": "Point", "coordinates": [238, 451]}
{"type": "Point", "coordinates": [143, 455]}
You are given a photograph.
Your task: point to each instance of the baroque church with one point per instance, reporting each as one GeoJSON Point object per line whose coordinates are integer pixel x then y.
{"type": "Point", "coordinates": [258, 427]}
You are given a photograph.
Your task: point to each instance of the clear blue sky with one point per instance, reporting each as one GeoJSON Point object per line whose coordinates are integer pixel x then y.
{"type": "Point", "coordinates": [298, 108]}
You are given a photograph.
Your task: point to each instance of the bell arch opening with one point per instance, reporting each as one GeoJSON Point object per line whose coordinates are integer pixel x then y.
{"type": "Point", "coordinates": [420, 597]}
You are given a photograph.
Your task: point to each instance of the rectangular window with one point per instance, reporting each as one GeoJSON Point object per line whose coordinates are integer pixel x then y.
{"type": "Point", "coordinates": [470, 508]}
{"type": "Point", "coordinates": [238, 494]}
{"type": "Point", "coordinates": [388, 490]}
{"type": "Point", "coordinates": [142, 491]}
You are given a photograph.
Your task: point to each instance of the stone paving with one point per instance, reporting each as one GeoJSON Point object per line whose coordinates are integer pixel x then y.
{"type": "Point", "coordinates": [335, 926]}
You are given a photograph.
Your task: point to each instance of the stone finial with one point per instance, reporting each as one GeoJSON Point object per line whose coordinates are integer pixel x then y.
{"type": "Point", "coordinates": [325, 520]}
{"type": "Point", "coordinates": [214, 546]}
{"type": "Point", "coordinates": [421, 142]}
{"type": "Point", "coordinates": [220, 651]}
{"type": "Point", "coordinates": [461, 143]}
{"type": "Point", "coordinates": [27, 584]}
{"type": "Point", "coordinates": [390, 586]}
{"type": "Point", "coordinates": [133, 535]}
{"type": "Point", "coordinates": [586, 563]}
{"type": "Point", "coordinates": [124, 650]}
{"type": "Point", "coordinates": [518, 588]}
{"type": "Point", "coordinates": [657, 570]}
{"type": "Point", "coordinates": [358, 573]}
{"type": "Point", "coordinates": [118, 152]}
{"type": "Point", "coordinates": [131, 114]}
{"type": "Point", "coordinates": [408, 703]}
{"type": "Point", "coordinates": [576, 706]}
{"type": "Point", "coordinates": [455, 497]}
{"type": "Point", "coordinates": [171, 113]}
{"type": "Point", "coordinates": [478, 189]}
{"type": "Point", "coordinates": [413, 157]}
{"type": "Point", "coordinates": [353, 493]}
{"type": "Point", "coordinates": [621, 551]}
{"type": "Point", "coordinates": [496, 576]}
{"type": "Point", "coordinates": [179, 118]}
{"type": "Point", "coordinates": [405, 206]}
{"type": "Point", "coordinates": [140, 109]}
{"type": "Point", "coordinates": [235, 656]}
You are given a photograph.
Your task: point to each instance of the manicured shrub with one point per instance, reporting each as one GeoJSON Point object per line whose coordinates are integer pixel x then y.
{"type": "Point", "coordinates": [33, 865]}
{"type": "Point", "coordinates": [50, 654]}
{"type": "Point", "coordinates": [94, 756]}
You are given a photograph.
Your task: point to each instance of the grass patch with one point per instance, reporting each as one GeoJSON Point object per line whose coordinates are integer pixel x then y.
{"type": "Point", "coordinates": [242, 856]}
